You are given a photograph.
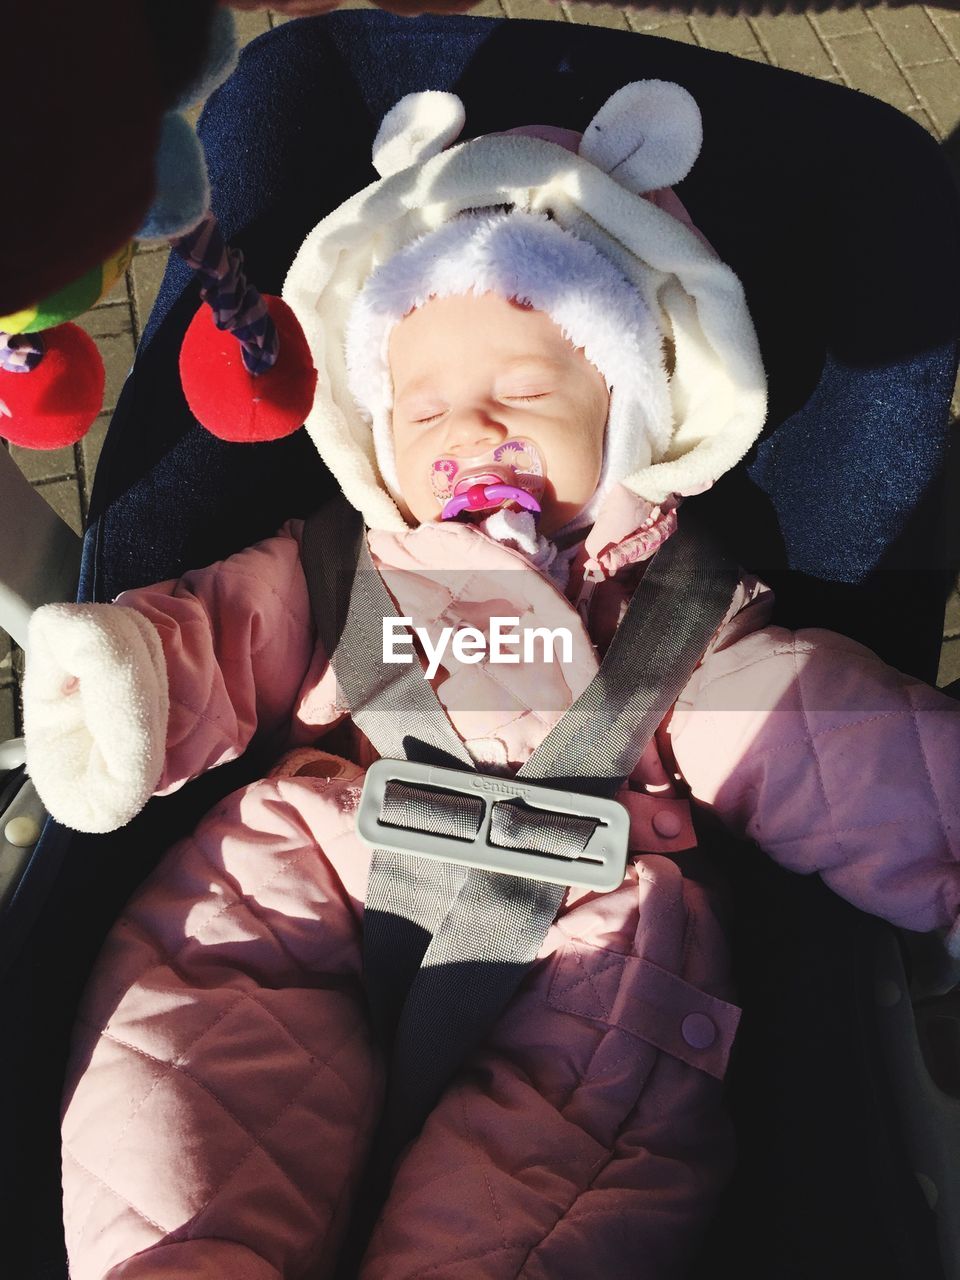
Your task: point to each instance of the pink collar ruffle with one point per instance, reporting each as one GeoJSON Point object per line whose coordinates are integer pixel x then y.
{"type": "Point", "coordinates": [627, 529]}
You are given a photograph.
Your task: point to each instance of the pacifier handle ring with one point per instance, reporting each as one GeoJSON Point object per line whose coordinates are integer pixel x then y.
{"type": "Point", "coordinates": [454, 506]}
{"type": "Point", "coordinates": [515, 494]}
{"type": "Point", "coordinates": [495, 493]}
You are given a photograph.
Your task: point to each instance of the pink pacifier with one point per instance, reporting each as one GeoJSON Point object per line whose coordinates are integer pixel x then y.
{"type": "Point", "coordinates": [510, 472]}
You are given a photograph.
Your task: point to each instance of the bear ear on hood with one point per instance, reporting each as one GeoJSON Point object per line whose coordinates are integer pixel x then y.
{"type": "Point", "coordinates": [415, 128]}
{"type": "Point", "coordinates": [646, 136]}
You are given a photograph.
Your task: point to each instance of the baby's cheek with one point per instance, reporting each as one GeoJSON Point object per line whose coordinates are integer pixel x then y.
{"type": "Point", "coordinates": [417, 490]}
{"type": "Point", "coordinates": [577, 477]}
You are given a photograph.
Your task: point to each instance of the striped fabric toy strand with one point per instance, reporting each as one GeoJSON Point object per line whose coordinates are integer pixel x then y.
{"type": "Point", "coordinates": [20, 352]}
{"type": "Point", "coordinates": [237, 306]}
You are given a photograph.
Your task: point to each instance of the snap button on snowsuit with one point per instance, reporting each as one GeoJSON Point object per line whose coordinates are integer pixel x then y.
{"type": "Point", "coordinates": [667, 824]}
{"type": "Point", "coordinates": [698, 1030]}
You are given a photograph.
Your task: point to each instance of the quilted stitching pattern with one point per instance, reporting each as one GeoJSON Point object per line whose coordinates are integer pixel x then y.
{"type": "Point", "coordinates": [518, 1173]}
{"type": "Point", "coordinates": [238, 640]}
{"type": "Point", "coordinates": [647, 1002]}
{"type": "Point", "coordinates": [832, 762]}
{"type": "Point", "coordinates": [238, 1066]}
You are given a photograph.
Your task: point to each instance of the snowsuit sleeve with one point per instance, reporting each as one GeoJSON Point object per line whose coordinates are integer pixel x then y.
{"type": "Point", "coordinates": [133, 698]}
{"type": "Point", "coordinates": [833, 762]}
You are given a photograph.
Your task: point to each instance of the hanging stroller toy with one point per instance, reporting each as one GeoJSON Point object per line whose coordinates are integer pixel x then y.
{"type": "Point", "coordinates": [245, 368]}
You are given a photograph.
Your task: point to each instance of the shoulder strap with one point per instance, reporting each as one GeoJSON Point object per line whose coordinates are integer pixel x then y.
{"type": "Point", "coordinates": [392, 703]}
{"type": "Point", "coordinates": [397, 710]}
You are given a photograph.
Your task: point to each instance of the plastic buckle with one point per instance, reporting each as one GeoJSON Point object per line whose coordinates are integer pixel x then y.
{"type": "Point", "coordinates": [601, 865]}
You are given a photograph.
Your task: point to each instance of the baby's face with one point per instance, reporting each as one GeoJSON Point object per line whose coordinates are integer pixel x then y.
{"type": "Point", "coordinates": [471, 372]}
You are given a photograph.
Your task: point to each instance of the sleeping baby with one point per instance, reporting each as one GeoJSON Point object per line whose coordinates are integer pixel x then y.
{"type": "Point", "coordinates": [528, 358]}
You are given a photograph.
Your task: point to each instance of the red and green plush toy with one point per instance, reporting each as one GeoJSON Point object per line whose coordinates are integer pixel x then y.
{"type": "Point", "coordinates": [245, 366]}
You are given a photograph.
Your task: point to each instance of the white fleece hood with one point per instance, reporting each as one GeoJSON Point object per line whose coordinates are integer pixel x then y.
{"type": "Point", "coordinates": [700, 421]}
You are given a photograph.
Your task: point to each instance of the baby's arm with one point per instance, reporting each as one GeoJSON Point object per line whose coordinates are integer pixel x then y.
{"type": "Point", "coordinates": [833, 762]}
{"type": "Point", "coordinates": [127, 699]}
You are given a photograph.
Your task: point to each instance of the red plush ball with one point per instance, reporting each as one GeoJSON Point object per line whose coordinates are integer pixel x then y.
{"type": "Point", "coordinates": [54, 404]}
{"type": "Point", "coordinates": [232, 403]}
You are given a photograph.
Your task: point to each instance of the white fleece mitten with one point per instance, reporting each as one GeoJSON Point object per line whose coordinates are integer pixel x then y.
{"type": "Point", "coordinates": [95, 708]}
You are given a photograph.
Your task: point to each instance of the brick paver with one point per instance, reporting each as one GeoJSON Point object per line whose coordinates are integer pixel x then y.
{"type": "Point", "coordinates": [840, 22]}
{"type": "Point", "coordinates": [146, 272]}
{"type": "Point", "coordinates": [910, 35]}
{"type": "Point", "coordinates": [906, 55]}
{"type": "Point", "coordinates": [42, 466]}
{"type": "Point", "coordinates": [865, 62]}
{"type": "Point", "coordinates": [6, 659]}
{"type": "Point", "coordinates": [937, 86]}
{"type": "Point", "coordinates": [947, 22]}
{"type": "Point", "coordinates": [588, 15]}
{"type": "Point", "coordinates": [724, 34]}
{"type": "Point", "coordinates": [9, 713]}
{"type": "Point", "coordinates": [790, 40]}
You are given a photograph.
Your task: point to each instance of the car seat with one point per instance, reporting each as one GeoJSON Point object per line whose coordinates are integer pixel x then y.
{"type": "Point", "coordinates": [839, 217]}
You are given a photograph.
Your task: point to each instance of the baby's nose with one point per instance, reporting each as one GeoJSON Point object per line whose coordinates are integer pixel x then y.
{"type": "Point", "coordinates": [473, 428]}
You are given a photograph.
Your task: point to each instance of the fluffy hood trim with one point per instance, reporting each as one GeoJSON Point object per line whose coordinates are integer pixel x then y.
{"type": "Point", "coordinates": [717, 384]}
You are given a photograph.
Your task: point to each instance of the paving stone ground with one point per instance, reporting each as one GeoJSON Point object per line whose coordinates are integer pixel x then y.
{"type": "Point", "coordinates": [908, 55]}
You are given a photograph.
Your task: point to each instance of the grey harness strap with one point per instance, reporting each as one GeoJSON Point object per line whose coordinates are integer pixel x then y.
{"type": "Point", "coordinates": [407, 897]}
{"type": "Point", "coordinates": [446, 948]}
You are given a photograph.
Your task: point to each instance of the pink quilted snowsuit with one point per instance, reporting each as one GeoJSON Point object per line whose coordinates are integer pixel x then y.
{"type": "Point", "coordinates": [225, 1084]}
